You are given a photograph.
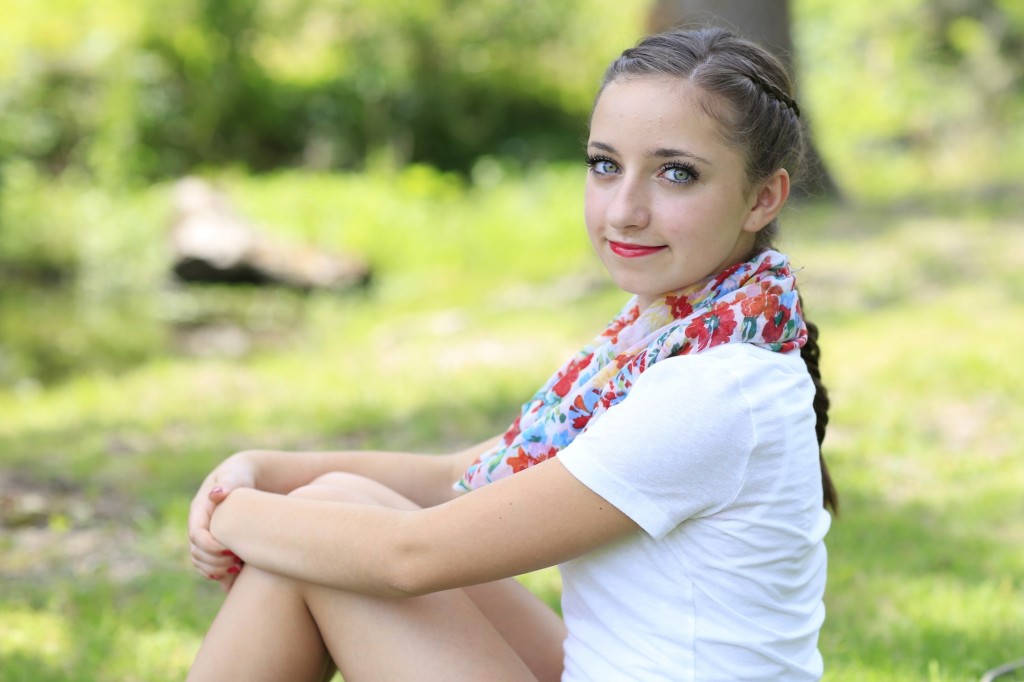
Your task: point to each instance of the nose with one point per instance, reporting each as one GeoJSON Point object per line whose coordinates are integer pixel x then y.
{"type": "Point", "coordinates": [630, 207]}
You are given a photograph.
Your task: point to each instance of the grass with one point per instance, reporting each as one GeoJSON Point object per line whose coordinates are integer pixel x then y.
{"type": "Point", "coordinates": [482, 291]}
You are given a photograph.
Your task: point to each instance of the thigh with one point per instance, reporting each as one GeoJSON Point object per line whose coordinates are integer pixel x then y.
{"type": "Point", "coordinates": [439, 637]}
{"type": "Point", "coordinates": [524, 623]}
{"type": "Point", "coordinates": [530, 627]}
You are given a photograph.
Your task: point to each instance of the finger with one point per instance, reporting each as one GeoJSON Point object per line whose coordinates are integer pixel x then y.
{"type": "Point", "coordinates": [201, 539]}
{"type": "Point", "coordinates": [222, 558]}
{"type": "Point", "coordinates": [199, 519]}
{"type": "Point", "coordinates": [227, 482]}
{"type": "Point", "coordinates": [217, 568]}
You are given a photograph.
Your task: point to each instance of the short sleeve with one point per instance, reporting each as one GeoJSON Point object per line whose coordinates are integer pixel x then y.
{"type": "Point", "coordinates": [677, 447]}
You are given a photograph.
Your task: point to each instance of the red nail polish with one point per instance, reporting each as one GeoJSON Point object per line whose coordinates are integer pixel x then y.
{"type": "Point", "coordinates": [228, 552]}
{"type": "Point", "coordinates": [234, 569]}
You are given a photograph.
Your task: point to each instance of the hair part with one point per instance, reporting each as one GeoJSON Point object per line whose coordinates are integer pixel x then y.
{"type": "Point", "coordinates": [748, 92]}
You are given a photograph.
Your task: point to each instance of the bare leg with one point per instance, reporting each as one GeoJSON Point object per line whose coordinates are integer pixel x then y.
{"type": "Point", "coordinates": [495, 632]}
{"type": "Point", "coordinates": [263, 632]}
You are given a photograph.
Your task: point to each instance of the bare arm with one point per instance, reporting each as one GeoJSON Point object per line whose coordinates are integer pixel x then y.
{"type": "Point", "coordinates": [536, 518]}
{"type": "Point", "coordinates": [425, 479]}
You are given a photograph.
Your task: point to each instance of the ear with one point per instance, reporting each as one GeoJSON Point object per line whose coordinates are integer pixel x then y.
{"type": "Point", "coordinates": [767, 200]}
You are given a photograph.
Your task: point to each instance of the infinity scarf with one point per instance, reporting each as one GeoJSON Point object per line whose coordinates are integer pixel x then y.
{"type": "Point", "coordinates": [753, 302]}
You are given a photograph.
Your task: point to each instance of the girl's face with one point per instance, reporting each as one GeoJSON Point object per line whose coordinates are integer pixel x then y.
{"type": "Point", "coordinates": [667, 203]}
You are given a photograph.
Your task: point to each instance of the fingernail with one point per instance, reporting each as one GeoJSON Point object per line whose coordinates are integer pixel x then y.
{"type": "Point", "coordinates": [228, 552]}
{"type": "Point", "coordinates": [234, 569]}
{"type": "Point", "coordinates": [211, 577]}
{"type": "Point", "coordinates": [217, 491]}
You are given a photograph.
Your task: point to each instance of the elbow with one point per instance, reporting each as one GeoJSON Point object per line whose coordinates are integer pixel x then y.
{"type": "Point", "coordinates": [412, 568]}
{"type": "Point", "coordinates": [403, 583]}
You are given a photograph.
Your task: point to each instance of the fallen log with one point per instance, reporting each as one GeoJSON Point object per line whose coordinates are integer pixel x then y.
{"type": "Point", "coordinates": [212, 242]}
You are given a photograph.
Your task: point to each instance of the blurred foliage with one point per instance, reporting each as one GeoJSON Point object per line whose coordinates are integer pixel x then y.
{"type": "Point", "coordinates": [916, 97]}
{"type": "Point", "coordinates": [165, 87]}
{"type": "Point", "coordinates": [914, 91]}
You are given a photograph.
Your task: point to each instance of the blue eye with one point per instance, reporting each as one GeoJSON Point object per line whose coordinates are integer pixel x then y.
{"type": "Point", "coordinates": [680, 174]}
{"type": "Point", "coordinates": [602, 165]}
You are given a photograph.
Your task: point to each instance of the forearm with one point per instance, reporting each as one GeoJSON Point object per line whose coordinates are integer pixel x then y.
{"type": "Point", "coordinates": [347, 546]}
{"type": "Point", "coordinates": [425, 479]}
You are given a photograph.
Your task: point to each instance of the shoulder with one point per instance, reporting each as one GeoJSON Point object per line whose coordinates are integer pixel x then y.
{"type": "Point", "coordinates": [740, 360]}
{"type": "Point", "coordinates": [731, 387]}
{"type": "Point", "coordinates": [725, 374]}
{"type": "Point", "coordinates": [680, 443]}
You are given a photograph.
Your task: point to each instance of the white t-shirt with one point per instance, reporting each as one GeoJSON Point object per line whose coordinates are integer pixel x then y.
{"type": "Point", "coordinates": [714, 456]}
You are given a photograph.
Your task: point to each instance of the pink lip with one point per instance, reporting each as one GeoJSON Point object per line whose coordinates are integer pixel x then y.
{"type": "Point", "coordinates": [632, 250]}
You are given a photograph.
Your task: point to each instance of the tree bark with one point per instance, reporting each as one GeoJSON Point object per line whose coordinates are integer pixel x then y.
{"type": "Point", "coordinates": [766, 22]}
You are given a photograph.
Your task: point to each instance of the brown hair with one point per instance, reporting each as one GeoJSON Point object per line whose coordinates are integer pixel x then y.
{"type": "Point", "coordinates": [749, 93]}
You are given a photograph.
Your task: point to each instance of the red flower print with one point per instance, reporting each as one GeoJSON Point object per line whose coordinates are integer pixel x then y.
{"type": "Point", "coordinates": [726, 324]}
{"type": "Point", "coordinates": [572, 373]}
{"type": "Point", "coordinates": [680, 306]}
{"type": "Point", "coordinates": [610, 397]}
{"type": "Point", "coordinates": [752, 307]}
{"type": "Point", "coordinates": [698, 331]}
{"type": "Point", "coordinates": [618, 325]}
{"type": "Point", "coordinates": [580, 407]}
{"type": "Point", "coordinates": [547, 454]}
{"type": "Point", "coordinates": [775, 323]}
{"type": "Point", "coordinates": [622, 360]}
{"type": "Point", "coordinates": [760, 305]}
{"type": "Point", "coordinates": [512, 432]}
{"type": "Point", "coordinates": [524, 460]}
{"type": "Point", "coordinates": [519, 462]}
{"type": "Point", "coordinates": [639, 363]}
{"type": "Point", "coordinates": [712, 328]}
{"type": "Point", "coordinates": [726, 274]}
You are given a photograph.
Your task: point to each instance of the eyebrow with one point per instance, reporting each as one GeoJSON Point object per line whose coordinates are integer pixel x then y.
{"type": "Point", "coordinates": [660, 153]}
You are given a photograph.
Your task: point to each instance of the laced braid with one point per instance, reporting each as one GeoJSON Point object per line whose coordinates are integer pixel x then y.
{"type": "Point", "coordinates": [748, 91]}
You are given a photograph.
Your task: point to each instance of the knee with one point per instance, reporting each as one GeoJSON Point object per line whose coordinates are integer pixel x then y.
{"type": "Point", "coordinates": [344, 481]}
{"type": "Point", "coordinates": [345, 487]}
{"type": "Point", "coordinates": [330, 487]}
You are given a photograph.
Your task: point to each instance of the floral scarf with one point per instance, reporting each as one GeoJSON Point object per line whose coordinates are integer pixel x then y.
{"type": "Point", "coordinates": [753, 302]}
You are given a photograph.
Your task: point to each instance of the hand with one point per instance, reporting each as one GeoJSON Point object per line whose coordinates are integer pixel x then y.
{"type": "Point", "coordinates": [212, 559]}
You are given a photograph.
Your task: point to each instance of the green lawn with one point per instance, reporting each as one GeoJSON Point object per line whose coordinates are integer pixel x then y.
{"type": "Point", "coordinates": [480, 294]}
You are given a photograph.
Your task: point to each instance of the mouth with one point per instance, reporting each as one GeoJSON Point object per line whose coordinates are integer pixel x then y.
{"type": "Point", "coordinates": [633, 250]}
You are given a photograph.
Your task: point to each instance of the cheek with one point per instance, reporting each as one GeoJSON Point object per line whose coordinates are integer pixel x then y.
{"type": "Point", "coordinates": [593, 210]}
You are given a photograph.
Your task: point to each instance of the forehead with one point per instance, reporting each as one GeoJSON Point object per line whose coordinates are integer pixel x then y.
{"type": "Point", "coordinates": [663, 109]}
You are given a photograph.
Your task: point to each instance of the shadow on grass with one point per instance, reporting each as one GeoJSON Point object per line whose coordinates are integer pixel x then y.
{"type": "Point", "coordinates": [915, 539]}
{"type": "Point", "coordinates": [913, 591]}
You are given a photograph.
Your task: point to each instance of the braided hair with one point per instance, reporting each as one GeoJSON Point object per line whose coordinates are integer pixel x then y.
{"type": "Point", "coordinates": [748, 92]}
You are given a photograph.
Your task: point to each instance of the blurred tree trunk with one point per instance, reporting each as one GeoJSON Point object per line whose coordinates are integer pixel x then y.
{"type": "Point", "coordinates": [766, 22]}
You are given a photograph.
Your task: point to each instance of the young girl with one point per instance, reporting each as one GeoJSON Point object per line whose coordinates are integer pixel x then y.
{"type": "Point", "coordinates": [671, 469]}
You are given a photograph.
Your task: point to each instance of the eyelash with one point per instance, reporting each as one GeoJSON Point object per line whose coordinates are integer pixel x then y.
{"type": "Point", "coordinates": [592, 162]}
{"type": "Point", "coordinates": [691, 171]}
